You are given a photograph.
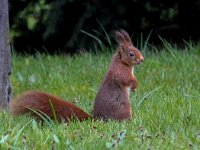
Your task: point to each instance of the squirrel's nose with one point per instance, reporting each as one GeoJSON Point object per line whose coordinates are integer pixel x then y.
{"type": "Point", "coordinates": [141, 59]}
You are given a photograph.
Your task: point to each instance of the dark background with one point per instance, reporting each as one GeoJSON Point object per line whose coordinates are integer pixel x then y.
{"type": "Point", "coordinates": [55, 25]}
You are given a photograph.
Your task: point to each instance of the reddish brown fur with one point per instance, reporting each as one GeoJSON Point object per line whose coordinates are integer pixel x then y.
{"type": "Point", "coordinates": [41, 101]}
{"type": "Point", "coordinates": [112, 100]}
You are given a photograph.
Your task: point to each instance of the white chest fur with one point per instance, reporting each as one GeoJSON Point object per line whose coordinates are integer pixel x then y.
{"type": "Point", "coordinates": [133, 71]}
{"type": "Point", "coordinates": [129, 88]}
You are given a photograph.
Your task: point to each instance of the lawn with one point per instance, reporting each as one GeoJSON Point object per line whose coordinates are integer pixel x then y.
{"type": "Point", "coordinates": [166, 105]}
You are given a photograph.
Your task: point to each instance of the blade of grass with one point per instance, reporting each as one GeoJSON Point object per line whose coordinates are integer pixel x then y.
{"type": "Point", "coordinates": [107, 36]}
{"type": "Point", "coordinates": [145, 96]}
{"type": "Point", "coordinates": [20, 131]}
{"type": "Point", "coordinates": [168, 47]}
{"type": "Point", "coordinates": [43, 116]}
{"type": "Point", "coordinates": [53, 110]}
{"type": "Point", "coordinates": [94, 37]}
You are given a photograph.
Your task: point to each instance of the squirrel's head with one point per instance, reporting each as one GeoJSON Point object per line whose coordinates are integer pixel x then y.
{"type": "Point", "coordinates": [130, 55]}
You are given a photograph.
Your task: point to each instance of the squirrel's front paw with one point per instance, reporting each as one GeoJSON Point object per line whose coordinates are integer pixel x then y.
{"type": "Point", "coordinates": [134, 86]}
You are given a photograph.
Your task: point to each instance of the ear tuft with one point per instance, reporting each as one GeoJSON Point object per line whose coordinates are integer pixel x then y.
{"type": "Point", "coordinates": [122, 37]}
{"type": "Point", "coordinates": [119, 37]}
{"type": "Point", "coordinates": [126, 36]}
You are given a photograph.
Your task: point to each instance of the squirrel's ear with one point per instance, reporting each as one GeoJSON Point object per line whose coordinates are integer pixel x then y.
{"type": "Point", "coordinates": [119, 37]}
{"type": "Point", "coordinates": [126, 36]}
{"type": "Point", "coordinates": [122, 37]}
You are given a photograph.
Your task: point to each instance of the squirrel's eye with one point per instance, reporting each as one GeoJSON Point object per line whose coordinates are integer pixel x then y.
{"type": "Point", "coordinates": [131, 54]}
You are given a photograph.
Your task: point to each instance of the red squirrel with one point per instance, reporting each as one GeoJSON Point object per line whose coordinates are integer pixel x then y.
{"type": "Point", "coordinates": [112, 100]}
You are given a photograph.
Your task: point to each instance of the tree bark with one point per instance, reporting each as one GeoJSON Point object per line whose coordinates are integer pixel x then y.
{"type": "Point", "coordinates": [5, 56]}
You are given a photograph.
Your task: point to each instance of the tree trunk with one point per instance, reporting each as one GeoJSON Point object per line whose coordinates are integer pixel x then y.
{"type": "Point", "coordinates": [5, 56]}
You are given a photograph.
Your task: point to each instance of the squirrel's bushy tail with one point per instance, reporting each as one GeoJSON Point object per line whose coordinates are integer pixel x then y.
{"type": "Point", "coordinates": [48, 104]}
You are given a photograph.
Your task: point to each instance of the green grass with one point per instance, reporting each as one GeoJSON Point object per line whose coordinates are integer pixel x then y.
{"type": "Point", "coordinates": [166, 105]}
